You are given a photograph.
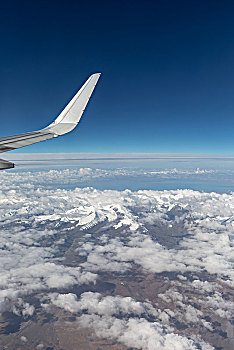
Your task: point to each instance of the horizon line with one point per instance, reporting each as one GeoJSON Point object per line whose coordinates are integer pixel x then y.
{"type": "Point", "coordinates": [128, 155]}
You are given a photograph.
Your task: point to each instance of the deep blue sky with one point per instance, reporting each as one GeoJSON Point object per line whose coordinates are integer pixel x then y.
{"type": "Point", "coordinates": [167, 82]}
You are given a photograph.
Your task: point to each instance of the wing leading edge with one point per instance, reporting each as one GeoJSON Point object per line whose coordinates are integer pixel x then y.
{"type": "Point", "coordinates": [65, 122]}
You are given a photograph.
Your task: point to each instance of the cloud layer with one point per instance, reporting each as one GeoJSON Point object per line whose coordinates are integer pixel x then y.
{"type": "Point", "coordinates": [115, 317]}
{"type": "Point", "coordinates": [183, 232]}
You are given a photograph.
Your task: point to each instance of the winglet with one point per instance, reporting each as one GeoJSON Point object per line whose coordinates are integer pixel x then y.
{"type": "Point", "coordinates": [70, 116]}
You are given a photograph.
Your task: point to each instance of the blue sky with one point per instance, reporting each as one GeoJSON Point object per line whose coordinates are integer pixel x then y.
{"type": "Point", "coordinates": [167, 68]}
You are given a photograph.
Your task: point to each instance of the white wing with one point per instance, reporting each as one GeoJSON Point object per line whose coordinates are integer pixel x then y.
{"type": "Point", "coordinates": [65, 122]}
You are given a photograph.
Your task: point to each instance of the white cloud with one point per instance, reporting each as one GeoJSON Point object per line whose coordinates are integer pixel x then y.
{"type": "Point", "coordinates": [138, 333]}
{"type": "Point", "coordinates": [131, 329]}
{"type": "Point", "coordinates": [96, 303]}
{"type": "Point", "coordinates": [221, 307]}
{"type": "Point", "coordinates": [23, 339]}
{"type": "Point", "coordinates": [23, 308]}
{"type": "Point", "coordinates": [37, 220]}
{"type": "Point", "coordinates": [192, 315]}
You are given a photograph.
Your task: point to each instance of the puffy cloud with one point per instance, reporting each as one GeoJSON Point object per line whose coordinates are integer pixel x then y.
{"type": "Point", "coordinates": [171, 295]}
{"type": "Point", "coordinates": [221, 307]}
{"type": "Point", "coordinates": [27, 263]}
{"type": "Point", "coordinates": [132, 331]}
{"type": "Point", "coordinates": [138, 333]}
{"type": "Point", "coordinates": [23, 339]}
{"type": "Point", "coordinates": [23, 308]}
{"type": "Point", "coordinates": [201, 251]}
{"type": "Point", "coordinates": [189, 314]}
{"type": "Point", "coordinates": [69, 176]}
{"type": "Point", "coordinates": [205, 286]}
{"type": "Point", "coordinates": [207, 222]}
{"type": "Point", "coordinates": [183, 231]}
{"type": "Point", "coordinates": [96, 303]}
{"type": "Point", "coordinates": [192, 315]}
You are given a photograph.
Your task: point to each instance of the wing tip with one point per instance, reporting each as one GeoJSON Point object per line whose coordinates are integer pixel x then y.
{"type": "Point", "coordinates": [96, 74]}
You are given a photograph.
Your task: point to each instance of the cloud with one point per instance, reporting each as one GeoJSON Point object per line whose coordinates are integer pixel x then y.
{"type": "Point", "coordinates": [202, 251]}
{"type": "Point", "coordinates": [184, 232]}
{"type": "Point", "coordinates": [78, 177]}
{"type": "Point", "coordinates": [221, 307]}
{"type": "Point", "coordinates": [23, 308]}
{"type": "Point", "coordinates": [207, 222]}
{"type": "Point", "coordinates": [103, 317]}
{"type": "Point", "coordinates": [23, 339]}
{"type": "Point", "coordinates": [137, 333]}
{"type": "Point", "coordinates": [109, 305]}
{"type": "Point", "coordinates": [28, 264]}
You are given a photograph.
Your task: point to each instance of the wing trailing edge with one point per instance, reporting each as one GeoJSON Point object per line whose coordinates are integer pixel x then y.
{"type": "Point", "coordinates": [4, 164]}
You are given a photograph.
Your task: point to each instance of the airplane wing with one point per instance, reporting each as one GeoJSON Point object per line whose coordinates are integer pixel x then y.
{"type": "Point", "coordinates": [65, 122]}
